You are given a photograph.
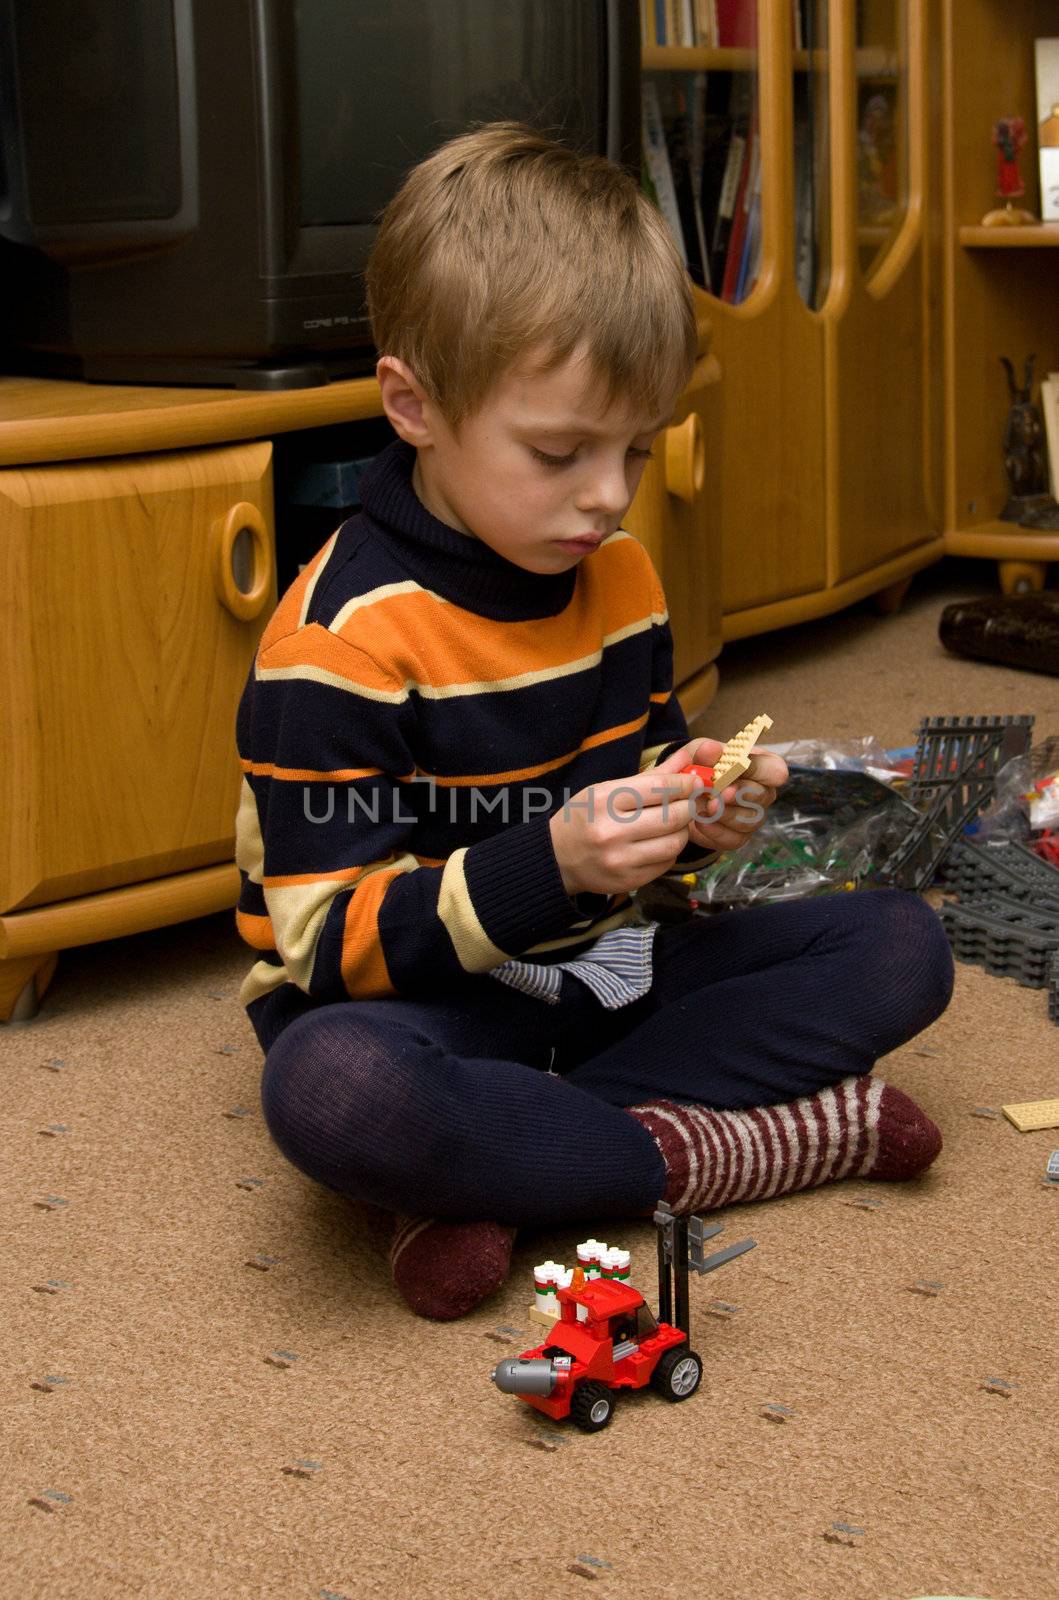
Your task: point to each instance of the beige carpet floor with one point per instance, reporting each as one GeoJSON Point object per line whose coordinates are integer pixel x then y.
{"type": "Point", "coordinates": [210, 1388]}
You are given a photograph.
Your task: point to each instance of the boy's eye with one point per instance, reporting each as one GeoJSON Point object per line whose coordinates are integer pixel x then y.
{"type": "Point", "coordinates": [564, 461]}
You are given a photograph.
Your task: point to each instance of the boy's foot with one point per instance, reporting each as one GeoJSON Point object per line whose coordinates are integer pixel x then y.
{"type": "Point", "coordinates": [862, 1128]}
{"type": "Point", "coordinates": [444, 1269]}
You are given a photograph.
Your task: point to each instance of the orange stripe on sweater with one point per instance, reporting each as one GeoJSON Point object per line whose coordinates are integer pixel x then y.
{"type": "Point", "coordinates": [519, 774]}
{"type": "Point", "coordinates": [315, 646]}
{"type": "Point", "coordinates": [256, 930]}
{"type": "Point", "coordinates": [287, 615]}
{"type": "Point", "coordinates": [440, 645]}
{"type": "Point", "coordinates": [268, 769]}
{"type": "Point", "coordinates": [364, 971]}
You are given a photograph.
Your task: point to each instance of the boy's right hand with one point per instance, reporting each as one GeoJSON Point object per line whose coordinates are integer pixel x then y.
{"type": "Point", "coordinates": [614, 837]}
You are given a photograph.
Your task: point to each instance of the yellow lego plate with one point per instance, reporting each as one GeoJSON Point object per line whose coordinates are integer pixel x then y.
{"type": "Point", "coordinates": [1030, 1114]}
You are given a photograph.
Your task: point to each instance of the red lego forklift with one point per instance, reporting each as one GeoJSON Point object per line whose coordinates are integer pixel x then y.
{"type": "Point", "coordinates": [607, 1339]}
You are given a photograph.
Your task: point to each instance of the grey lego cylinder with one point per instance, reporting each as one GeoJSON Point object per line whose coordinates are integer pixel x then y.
{"type": "Point", "coordinates": [517, 1376]}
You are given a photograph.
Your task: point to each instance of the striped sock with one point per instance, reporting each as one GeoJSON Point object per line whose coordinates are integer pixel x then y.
{"type": "Point", "coordinates": [444, 1269]}
{"type": "Point", "coordinates": [861, 1128]}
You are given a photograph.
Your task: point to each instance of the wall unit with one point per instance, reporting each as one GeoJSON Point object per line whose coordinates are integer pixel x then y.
{"type": "Point", "coordinates": [824, 465]}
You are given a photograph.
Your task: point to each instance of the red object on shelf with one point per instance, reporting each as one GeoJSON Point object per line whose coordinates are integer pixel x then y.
{"type": "Point", "coordinates": [740, 219]}
{"type": "Point", "coordinates": [736, 23]}
{"type": "Point", "coordinates": [705, 773]}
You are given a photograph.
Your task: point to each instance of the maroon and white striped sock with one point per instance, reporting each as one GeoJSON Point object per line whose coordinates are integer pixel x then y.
{"type": "Point", "coordinates": [861, 1128]}
{"type": "Point", "coordinates": [444, 1269]}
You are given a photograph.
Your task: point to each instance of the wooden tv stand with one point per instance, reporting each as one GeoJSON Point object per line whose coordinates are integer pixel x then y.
{"type": "Point", "coordinates": [137, 573]}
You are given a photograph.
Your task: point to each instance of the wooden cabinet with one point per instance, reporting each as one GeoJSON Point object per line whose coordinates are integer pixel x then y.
{"type": "Point", "coordinates": [142, 588]}
{"type": "Point", "coordinates": [822, 459]}
{"type": "Point", "coordinates": [1000, 284]}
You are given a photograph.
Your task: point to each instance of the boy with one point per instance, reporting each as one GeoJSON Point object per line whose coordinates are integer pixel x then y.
{"type": "Point", "coordinates": [462, 754]}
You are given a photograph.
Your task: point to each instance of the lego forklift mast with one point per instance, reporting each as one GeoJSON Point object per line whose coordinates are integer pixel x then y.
{"type": "Point", "coordinates": [680, 1242]}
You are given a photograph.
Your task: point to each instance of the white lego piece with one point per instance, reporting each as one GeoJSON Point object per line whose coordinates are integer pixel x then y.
{"type": "Point", "coordinates": [616, 1264]}
{"type": "Point", "coordinates": [590, 1257]}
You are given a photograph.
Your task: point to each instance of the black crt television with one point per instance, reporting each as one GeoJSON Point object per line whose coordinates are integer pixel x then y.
{"type": "Point", "coordinates": [190, 188]}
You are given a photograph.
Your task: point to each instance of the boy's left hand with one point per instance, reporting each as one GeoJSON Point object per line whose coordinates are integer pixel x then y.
{"type": "Point", "coordinates": [727, 821]}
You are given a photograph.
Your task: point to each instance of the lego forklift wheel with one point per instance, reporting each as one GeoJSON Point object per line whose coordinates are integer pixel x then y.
{"type": "Point", "coordinates": [678, 1374]}
{"type": "Point", "coordinates": [592, 1406]}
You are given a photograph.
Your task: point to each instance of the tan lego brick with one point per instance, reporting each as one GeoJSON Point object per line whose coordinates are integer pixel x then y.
{"type": "Point", "coordinates": [734, 759]}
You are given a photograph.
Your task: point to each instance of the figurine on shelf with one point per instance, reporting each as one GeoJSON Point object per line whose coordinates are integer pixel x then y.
{"type": "Point", "coordinates": [1009, 136]}
{"type": "Point", "coordinates": [1024, 450]}
{"type": "Point", "coordinates": [877, 162]}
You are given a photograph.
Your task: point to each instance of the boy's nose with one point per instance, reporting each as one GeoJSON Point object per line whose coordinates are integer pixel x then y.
{"type": "Point", "coordinates": [606, 495]}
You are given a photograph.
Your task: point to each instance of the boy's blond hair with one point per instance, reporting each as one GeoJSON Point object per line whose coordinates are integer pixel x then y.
{"type": "Point", "coordinates": [504, 241]}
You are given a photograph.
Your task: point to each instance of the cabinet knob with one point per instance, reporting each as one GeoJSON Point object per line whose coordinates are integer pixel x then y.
{"type": "Point", "coordinates": [685, 458]}
{"type": "Point", "coordinates": [243, 562]}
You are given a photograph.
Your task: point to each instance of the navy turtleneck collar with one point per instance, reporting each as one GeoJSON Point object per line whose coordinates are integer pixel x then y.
{"type": "Point", "coordinates": [455, 565]}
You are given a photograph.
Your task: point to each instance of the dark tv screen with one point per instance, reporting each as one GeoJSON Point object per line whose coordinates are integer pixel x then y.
{"type": "Point", "coordinates": [413, 73]}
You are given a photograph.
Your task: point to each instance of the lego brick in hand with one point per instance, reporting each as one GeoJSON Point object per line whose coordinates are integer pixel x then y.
{"type": "Point", "coordinates": [862, 1128]}
{"type": "Point", "coordinates": [734, 759]}
{"type": "Point", "coordinates": [445, 1269]}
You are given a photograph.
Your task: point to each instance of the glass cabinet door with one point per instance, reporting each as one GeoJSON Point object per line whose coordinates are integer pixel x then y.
{"type": "Point", "coordinates": [881, 64]}
{"type": "Point", "coordinates": [702, 146]}
{"type": "Point", "coordinates": [811, 146]}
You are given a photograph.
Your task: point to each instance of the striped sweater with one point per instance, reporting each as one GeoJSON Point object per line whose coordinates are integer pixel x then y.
{"type": "Point", "coordinates": [417, 709]}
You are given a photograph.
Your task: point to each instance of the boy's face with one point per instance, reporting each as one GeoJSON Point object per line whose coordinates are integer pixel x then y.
{"type": "Point", "coordinates": [540, 472]}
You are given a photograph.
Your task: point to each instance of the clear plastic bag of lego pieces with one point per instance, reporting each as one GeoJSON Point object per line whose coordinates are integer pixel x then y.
{"type": "Point", "coordinates": [1025, 797]}
{"type": "Point", "coordinates": [865, 754]}
{"type": "Point", "coordinates": [828, 830]}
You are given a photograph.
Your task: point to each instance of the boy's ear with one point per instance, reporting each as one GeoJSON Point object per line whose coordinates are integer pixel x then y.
{"type": "Point", "coordinates": [403, 400]}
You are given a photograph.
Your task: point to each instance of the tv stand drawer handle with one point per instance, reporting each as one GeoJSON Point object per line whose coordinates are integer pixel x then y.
{"type": "Point", "coordinates": [685, 458]}
{"type": "Point", "coordinates": [242, 565]}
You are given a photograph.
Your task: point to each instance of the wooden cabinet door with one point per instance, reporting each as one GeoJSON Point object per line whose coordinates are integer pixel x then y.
{"type": "Point", "coordinates": [674, 517]}
{"type": "Point", "coordinates": [766, 446]}
{"type": "Point", "coordinates": [883, 441]}
{"type": "Point", "coordinates": [133, 594]}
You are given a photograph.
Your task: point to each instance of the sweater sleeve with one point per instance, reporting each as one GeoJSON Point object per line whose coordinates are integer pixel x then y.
{"type": "Point", "coordinates": [330, 804]}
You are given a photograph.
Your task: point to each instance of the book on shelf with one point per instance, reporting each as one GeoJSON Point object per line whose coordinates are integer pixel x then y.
{"type": "Point", "coordinates": [674, 117]}
{"type": "Point", "coordinates": [741, 217]}
{"type": "Point", "coordinates": [730, 130]}
{"type": "Point", "coordinates": [737, 24]}
{"type": "Point", "coordinates": [656, 157]}
{"type": "Point", "coordinates": [698, 24]}
{"type": "Point", "coordinates": [1046, 54]}
{"type": "Point", "coordinates": [689, 189]}
{"type": "Point", "coordinates": [684, 23]}
{"type": "Point", "coordinates": [748, 266]}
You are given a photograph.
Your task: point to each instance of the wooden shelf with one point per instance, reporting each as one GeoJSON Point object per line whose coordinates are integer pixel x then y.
{"type": "Point", "coordinates": [57, 419]}
{"type": "Point", "coordinates": [870, 62]}
{"type": "Point", "coordinates": [682, 58]}
{"type": "Point", "coordinates": [1039, 235]}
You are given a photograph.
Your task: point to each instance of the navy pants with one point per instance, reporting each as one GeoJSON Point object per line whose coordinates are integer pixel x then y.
{"type": "Point", "coordinates": [496, 1105]}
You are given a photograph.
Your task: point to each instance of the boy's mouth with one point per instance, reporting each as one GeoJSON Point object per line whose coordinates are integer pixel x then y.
{"type": "Point", "coordinates": [585, 541]}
